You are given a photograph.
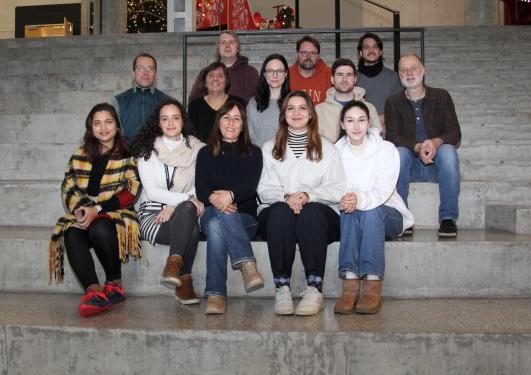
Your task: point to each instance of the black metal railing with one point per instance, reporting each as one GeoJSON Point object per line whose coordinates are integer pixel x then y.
{"type": "Point", "coordinates": [396, 34]}
{"type": "Point", "coordinates": [204, 34]}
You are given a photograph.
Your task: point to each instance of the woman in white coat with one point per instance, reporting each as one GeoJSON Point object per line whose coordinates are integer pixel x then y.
{"type": "Point", "coordinates": [371, 210]}
{"type": "Point", "coordinates": [300, 187]}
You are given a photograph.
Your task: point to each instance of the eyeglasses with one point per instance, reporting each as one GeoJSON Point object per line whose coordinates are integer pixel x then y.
{"type": "Point", "coordinates": [273, 73]}
{"type": "Point", "coordinates": [312, 54]}
{"type": "Point", "coordinates": [142, 68]}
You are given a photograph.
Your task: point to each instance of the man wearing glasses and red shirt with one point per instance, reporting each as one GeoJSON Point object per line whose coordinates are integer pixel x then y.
{"type": "Point", "coordinates": [309, 72]}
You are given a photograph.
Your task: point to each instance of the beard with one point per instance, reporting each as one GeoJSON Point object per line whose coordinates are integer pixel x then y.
{"type": "Point", "coordinates": [344, 89]}
{"type": "Point", "coordinates": [307, 65]}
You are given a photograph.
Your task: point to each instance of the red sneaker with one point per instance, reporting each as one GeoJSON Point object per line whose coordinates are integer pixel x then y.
{"type": "Point", "coordinates": [114, 293]}
{"type": "Point", "coordinates": [93, 302]}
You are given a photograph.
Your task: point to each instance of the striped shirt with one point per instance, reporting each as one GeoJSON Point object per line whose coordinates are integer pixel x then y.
{"type": "Point", "coordinates": [298, 142]}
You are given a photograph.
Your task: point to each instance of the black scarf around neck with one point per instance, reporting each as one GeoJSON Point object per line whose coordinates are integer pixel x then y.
{"type": "Point", "coordinates": [370, 70]}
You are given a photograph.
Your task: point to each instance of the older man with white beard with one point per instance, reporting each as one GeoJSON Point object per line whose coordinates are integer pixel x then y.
{"type": "Point", "coordinates": [421, 121]}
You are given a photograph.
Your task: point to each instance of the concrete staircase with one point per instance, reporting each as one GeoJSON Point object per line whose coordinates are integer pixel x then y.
{"type": "Point", "coordinates": [48, 87]}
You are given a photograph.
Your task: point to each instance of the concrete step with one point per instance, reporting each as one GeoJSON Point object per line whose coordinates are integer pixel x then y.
{"type": "Point", "coordinates": [29, 156]}
{"type": "Point", "coordinates": [38, 203]}
{"type": "Point", "coordinates": [509, 217]}
{"type": "Point", "coordinates": [504, 257]}
{"type": "Point", "coordinates": [155, 336]}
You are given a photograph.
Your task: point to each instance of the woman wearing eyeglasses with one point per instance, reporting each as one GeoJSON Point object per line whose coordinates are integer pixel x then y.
{"type": "Point", "coordinates": [264, 108]}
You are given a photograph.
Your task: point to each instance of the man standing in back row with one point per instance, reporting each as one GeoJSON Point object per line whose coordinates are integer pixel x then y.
{"type": "Point", "coordinates": [135, 105]}
{"type": "Point", "coordinates": [310, 73]}
{"type": "Point", "coordinates": [378, 81]}
{"type": "Point", "coordinates": [421, 121]}
{"type": "Point", "coordinates": [243, 77]}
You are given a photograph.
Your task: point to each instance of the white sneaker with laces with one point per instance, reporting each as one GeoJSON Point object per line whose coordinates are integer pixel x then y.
{"type": "Point", "coordinates": [283, 301]}
{"type": "Point", "coordinates": [311, 303]}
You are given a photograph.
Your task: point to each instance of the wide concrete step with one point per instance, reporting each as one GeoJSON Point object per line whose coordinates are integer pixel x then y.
{"type": "Point", "coordinates": [38, 203]}
{"type": "Point", "coordinates": [509, 217]}
{"type": "Point", "coordinates": [476, 264]}
{"type": "Point", "coordinates": [156, 336]}
{"type": "Point", "coordinates": [40, 155]}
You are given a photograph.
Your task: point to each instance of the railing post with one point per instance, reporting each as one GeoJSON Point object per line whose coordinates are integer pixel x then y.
{"type": "Point", "coordinates": [185, 66]}
{"type": "Point", "coordinates": [297, 24]}
{"type": "Point", "coordinates": [338, 27]}
{"type": "Point", "coordinates": [396, 38]}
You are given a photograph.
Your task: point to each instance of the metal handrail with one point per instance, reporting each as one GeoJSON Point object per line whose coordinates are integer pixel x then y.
{"type": "Point", "coordinates": [204, 34]}
{"type": "Point", "coordinates": [396, 34]}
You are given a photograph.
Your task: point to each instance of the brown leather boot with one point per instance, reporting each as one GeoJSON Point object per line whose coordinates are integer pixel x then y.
{"type": "Point", "coordinates": [252, 280]}
{"type": "Point", "coordinates": [371, 297]}
{"type": "Point", "coordinates": [347, 301]}
{"type": "Point", "coordinates": [185, 293]}
{"type": "Point", "coordinates": [170, 275]}
{"type": "Point", "coordinates": [215, 305]}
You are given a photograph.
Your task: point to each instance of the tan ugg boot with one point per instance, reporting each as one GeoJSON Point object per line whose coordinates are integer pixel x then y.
{"type": "Point", "coordinates": [371, 297]}
{"type": "Point", "coordinates": [347, 301]}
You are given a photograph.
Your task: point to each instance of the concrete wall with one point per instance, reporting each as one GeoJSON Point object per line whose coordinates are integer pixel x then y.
{"type": "Point", "coordinates": [7, 13]}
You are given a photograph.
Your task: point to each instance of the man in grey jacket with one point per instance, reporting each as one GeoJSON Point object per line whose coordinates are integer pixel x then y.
{"type": "Point", "coordinates": [421, 121]}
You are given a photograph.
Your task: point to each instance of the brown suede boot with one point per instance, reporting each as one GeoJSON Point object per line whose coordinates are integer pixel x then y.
{"type": "Point", "coordinates": [371, 297]}
{"type": "Point", "coordinates": [185, 293]}
{"type": "Point", "coordinates": [347, 301]}
{"type": "Point", "coordinates": [215, 305]}
{"type": "Point", "coordinates": [252, 280]}
{"type": "Point", "coordinates": [170, 275]}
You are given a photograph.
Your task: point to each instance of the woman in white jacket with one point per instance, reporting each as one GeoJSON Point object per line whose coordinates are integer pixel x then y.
{"type": "Point", "coordinates": [371, 210]}
{"type": "Point", "coordinates": [168, 212]}
{"type": "Point", "coordinates": [302, 181]}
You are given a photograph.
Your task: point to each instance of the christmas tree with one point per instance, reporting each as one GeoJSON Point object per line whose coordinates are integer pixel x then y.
{"type": "Point", "coordinates": [146, 16]}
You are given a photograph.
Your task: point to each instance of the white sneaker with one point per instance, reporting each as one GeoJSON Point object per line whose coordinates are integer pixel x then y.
{"type": "Point", "coordinates": [311, 303]}
{"type": "Point", "coordinates": [283, 301]}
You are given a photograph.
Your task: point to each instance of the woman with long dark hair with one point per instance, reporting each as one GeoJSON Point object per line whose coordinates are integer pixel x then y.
{"type": "Point", "coordinates": [263, 109]}
{"type": "Point", "coordinates": [215, 85]}
{"type": "Point", "coordinates": [301, 184]}
{"type": "Point", "coordinates": [227, 173]}
{"type": "Point", "coordinates": [371, 210]}
{"type": "Point", "coordinates": [168, 211]}
{"type": "Point", "coordinates": [98, 191]}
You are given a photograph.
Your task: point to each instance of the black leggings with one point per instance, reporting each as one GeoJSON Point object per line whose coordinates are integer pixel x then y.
{"type": "Point", "coordinates": [101, 235]}
{"type": "Point", "coordinates": [313, 229]}
{"type": "Point", "coordinates": [181, 232]}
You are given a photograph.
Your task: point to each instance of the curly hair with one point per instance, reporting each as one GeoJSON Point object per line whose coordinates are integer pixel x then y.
{"type": "Point", "coordinates": [144, 142]}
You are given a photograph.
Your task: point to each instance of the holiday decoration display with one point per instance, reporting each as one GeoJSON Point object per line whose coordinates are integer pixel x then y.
{"type": "Point", "coordinates": [146, 16]}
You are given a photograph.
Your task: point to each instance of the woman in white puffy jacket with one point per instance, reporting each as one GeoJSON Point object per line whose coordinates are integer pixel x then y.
{"type": "Point", "coordinates": [371, 210]}
{"type": "Point", "coordinates": [300, 187]}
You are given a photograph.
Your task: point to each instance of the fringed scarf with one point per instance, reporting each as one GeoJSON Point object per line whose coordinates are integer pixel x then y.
{"type": "Point", "coordinates": [120, 175]}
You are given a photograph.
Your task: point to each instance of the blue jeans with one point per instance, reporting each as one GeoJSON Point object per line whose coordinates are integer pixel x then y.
{"type": "Point", "coordinates": [363, 233]}
{"type": "Point", "coordinates": [444, 170]}
{"type": "Point", "coordinates": [227, 235]}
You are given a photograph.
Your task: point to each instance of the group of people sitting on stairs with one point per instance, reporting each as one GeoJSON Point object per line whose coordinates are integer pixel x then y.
{"type": "Point", "coordinates": [302, 155]}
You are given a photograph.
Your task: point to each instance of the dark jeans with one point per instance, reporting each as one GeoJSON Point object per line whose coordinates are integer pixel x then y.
{"type": "Point", "coordinates": [101, 235]}
{"type": "Point", "coordinates": [313, 229]}
{"type": "Point", "coordinates": [181, 232]}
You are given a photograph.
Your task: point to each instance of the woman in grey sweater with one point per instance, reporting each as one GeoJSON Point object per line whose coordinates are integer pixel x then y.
{"type": "Point", "coordinates": [264, 108]}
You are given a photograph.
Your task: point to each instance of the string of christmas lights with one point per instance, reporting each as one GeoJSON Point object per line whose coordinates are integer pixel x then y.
{"type": "Point", "coordinates": [146, 16]}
